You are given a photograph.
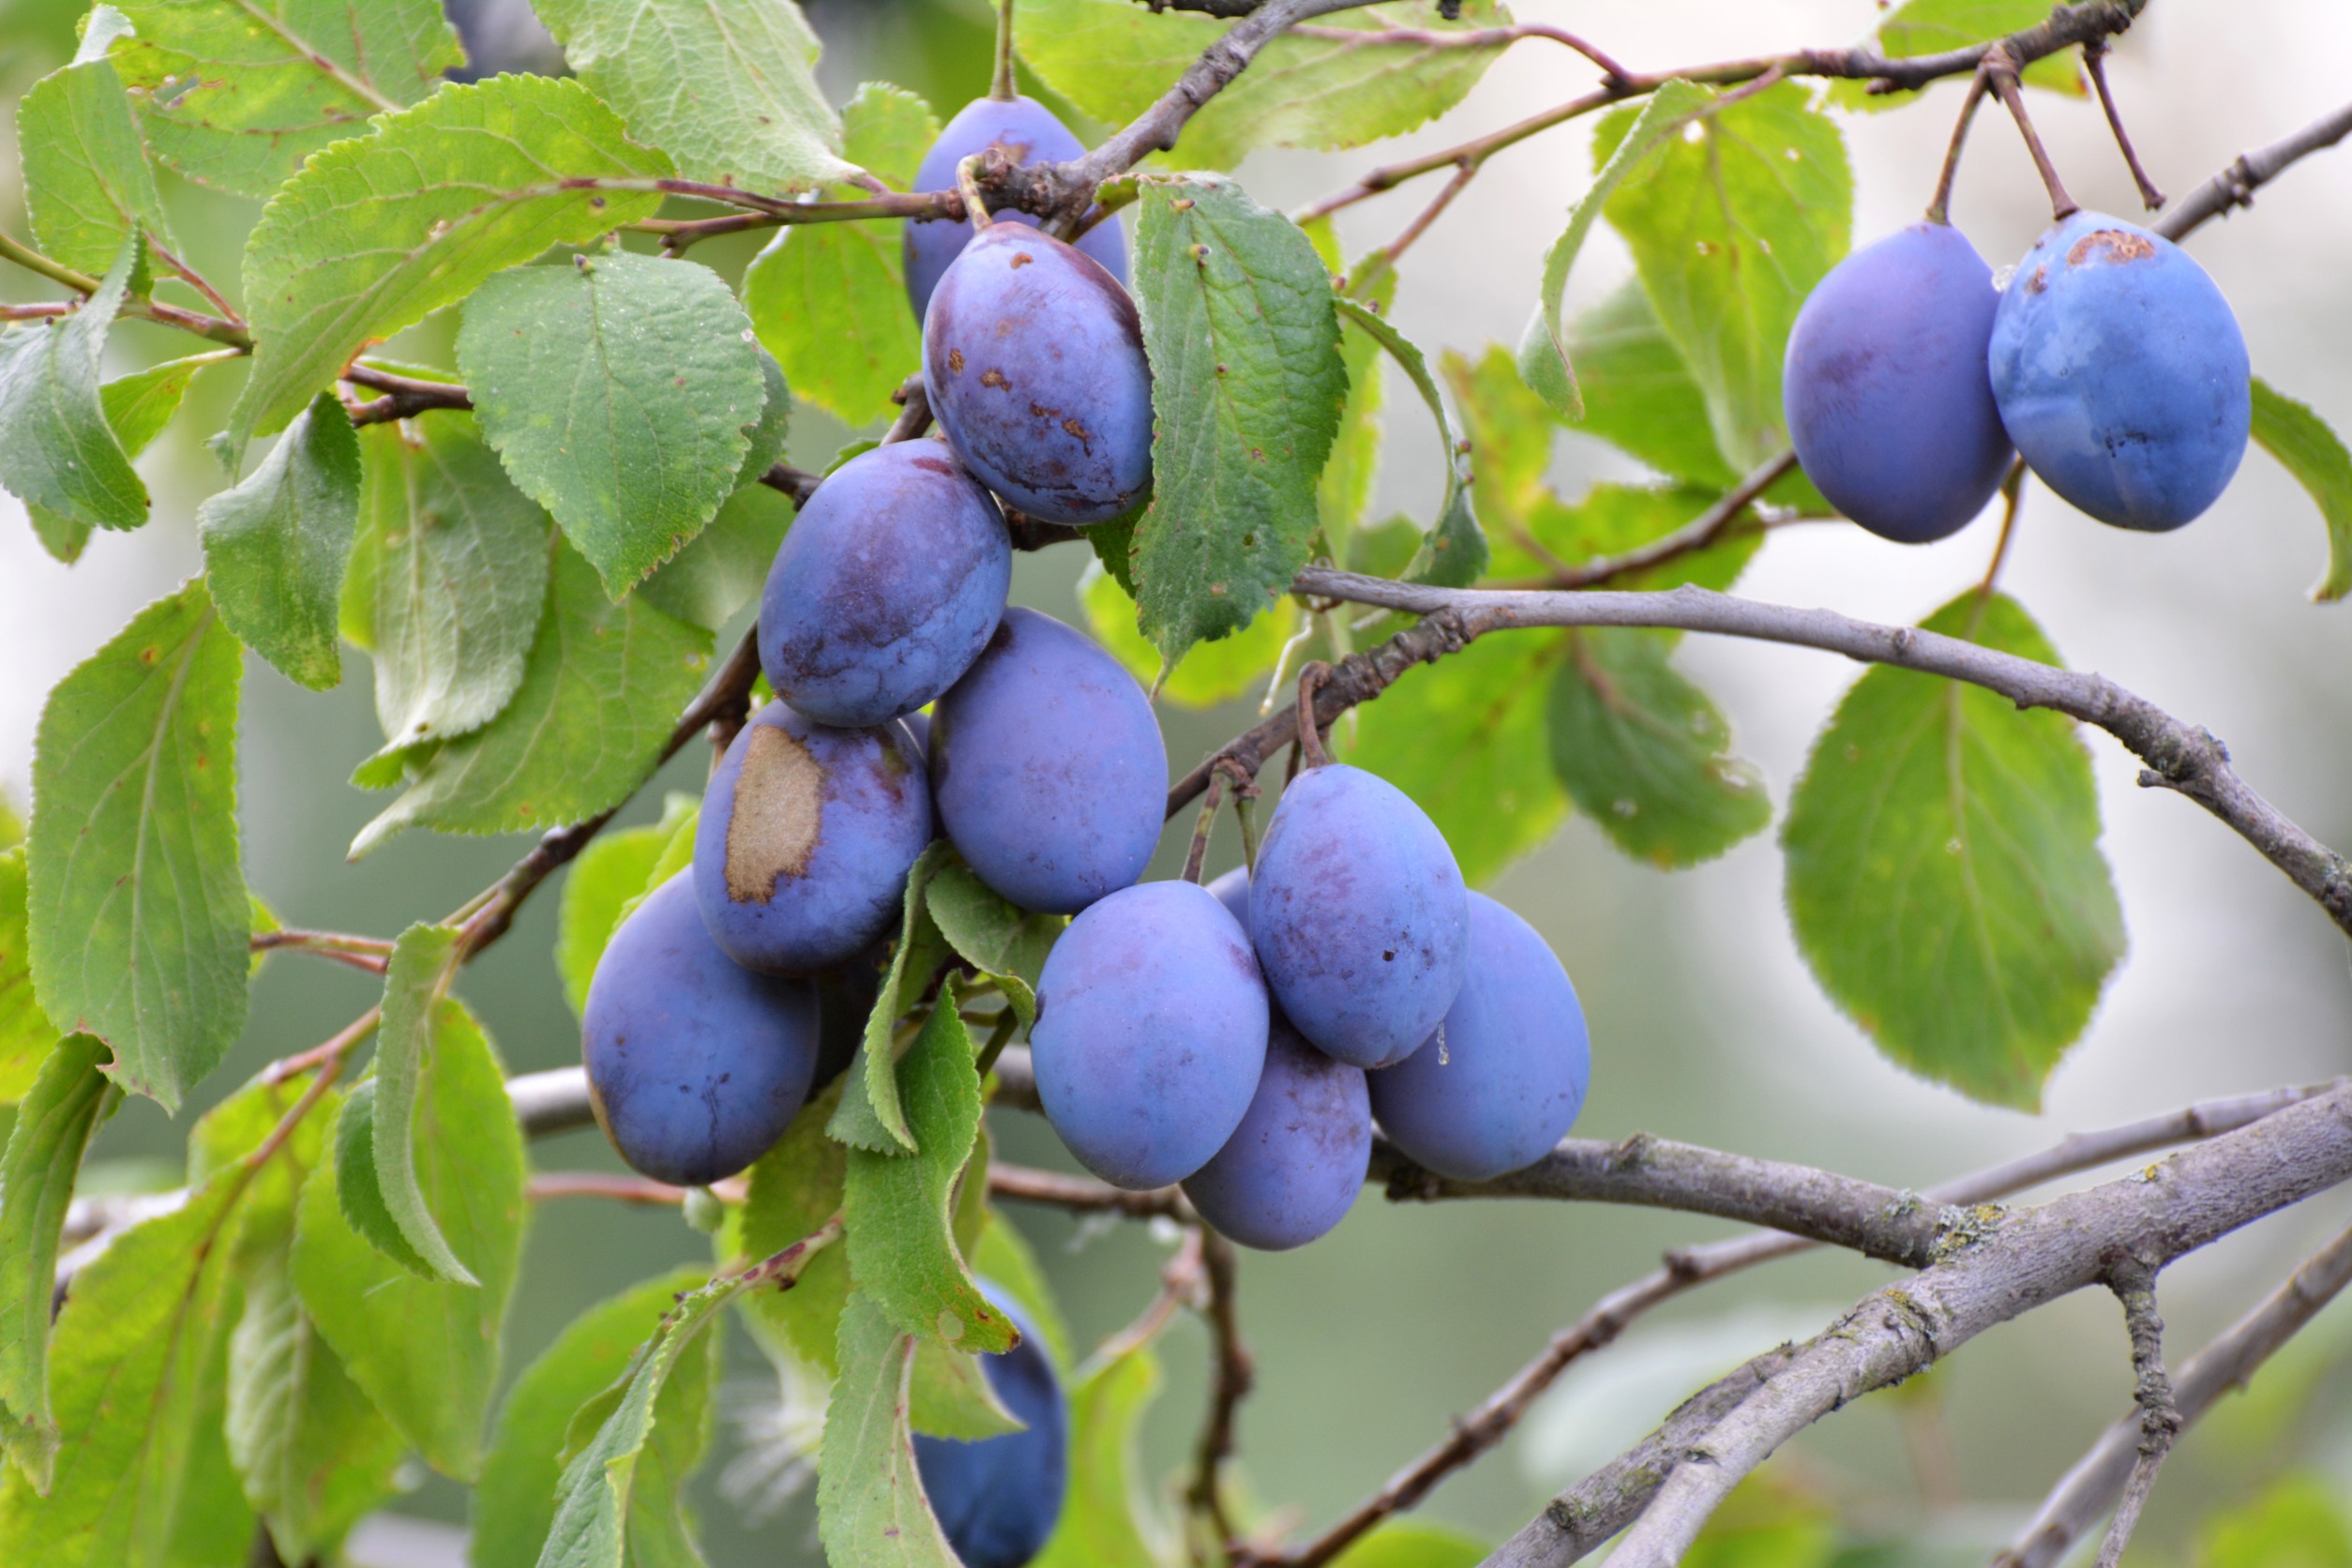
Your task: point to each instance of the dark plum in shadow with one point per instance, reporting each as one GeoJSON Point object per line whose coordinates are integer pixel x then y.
{"type": "Point", "coordinates": [997, 1500]}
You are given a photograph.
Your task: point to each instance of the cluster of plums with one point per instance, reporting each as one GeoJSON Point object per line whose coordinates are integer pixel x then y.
{"type": "Point", "coordinates": [2110, 362]}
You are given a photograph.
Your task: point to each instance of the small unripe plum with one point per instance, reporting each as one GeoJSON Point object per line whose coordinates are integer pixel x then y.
{"type": "Point", "coordinates": [1292, 1168]}
{"type": "Point", "coordinates": [807, 836]}
{"type": "Point", "coordinates": [1027, 133]}
{"type": "Point", "coordinates": [1889, 404]}
{"type": "Point", "coordinates": [2122, 374]}
{"type": "Point", "coordinates": [997, 1500]}
{"type": "Point", "coordinates": [1358, 914]}
{"type": "Point", "coordinates": [1499, 1084]}
{"type": "Point", "coordinates": [1033, 355]}
{"type": "Point", "coordinates": [696, 1065]}
{"type": "Point", "coordinates": [1048, 767]}
{"type": "Point", "coordinates": [886, 587]}
{"type": "Point", "coordinates": [1151, 1034]}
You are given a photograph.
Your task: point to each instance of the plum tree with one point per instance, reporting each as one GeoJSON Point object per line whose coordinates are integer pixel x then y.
{"type": "Point", "coordinates": [696, 1065]}
{"type": "Point", "coordinates": [2120, 373]}
{"type": "Point", "coordinates": [998, 1498]}
{"type": "Point", "coordinates": [1033, 355]}
{"type": "Point", "coordinates": [1292, 1168]}
{"type": "Point", "coordinates": [1151, 1035]}
{"type": "Point", "coordinates": [1026, 131]}
{"type": "Point", "coordinates": [886, 588]}
{"type": "Point", "coordinates": [1889, 404]}
{"type": "Point", "coordinates": [1504, 1075]}
{"type": "Point", "coordinates": [1048, 768]}
{"type": "Point", "coordinates": [807, 835]}
{"type": "Point", "coordinates": [1357, 910]}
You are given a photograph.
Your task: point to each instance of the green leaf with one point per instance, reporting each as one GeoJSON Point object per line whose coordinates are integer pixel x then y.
{"type": "Point", "coordinates": [275, 547]}
{"type": "Point", "coordinates": [1933, 26]}
{"type": "Point", "coordinates": [615, 870]}
{"type": "Point", "coordinates": [603, 685]}
{"type": "Point", "coordinates": [2298, 1522]}
{"type": "Point", "coordinates": [771, 432]}
{"type": "Point", "coordinates": [56, 449]}
{"type": "Point", "coordinates": [426, 1352]}
{"type": "Point", "coordinates": [1320, 90]}
{"type": "Point", "coordinates": [43, 1157]}
{"type": "Point", "coordinates": [2315, 455]}
{"type": "Point", "coordinates": [1944, 873]}
{"type": "Point", "coordinates": [898, 1208]}
{"type": "Point", "coordinates": [1730, 230]}
{"type": "Point", "coordinates": [729, 94]}
{"type": "Point", "coordinates": [795, 1188]}
{"type": "Point", "coordinates": [617, 391]}
{"type": "Point", "coordinates": [1209, 673]}
{"type": "Point", "coordinates": [137, 406]}
{"type": "Point", "coordinates": [1100, 1521]}
{"type": "Point", "coordinates": [138, 915]}
{"type": "Point", "coordinates": [1344, 491]}
{"type": "Point", "coordinates": [870, 1116]}
{"type": "Point", "coordinates": [375, 233]}
{"type": "Point", "coordinates": [870, 1508]}
{"type": "Point", "coordinates": [1246, 384]}
{"type": "Point", "coordinates": [87, 182]}
{"type": "Point", "coordinates": [358, 1191]}
{"type": "Point", "coordinates": [1003, 1255]}
{"type": "Point", "coordinates": [724, 567]}
{"type": "Point", "coordinates": [424, 961]}
{"type": "Point", "coordinates": [27, 1035]}
{"type": "Point", "coordinates": [447, 579]}
{"type": "Point", "coordinates": [1453, 554]}
{"type": "Point", "coordinates": [1639, 393]}
{"type": "Point", "coordinates": [1646, 755]}
{"type": "Point", "coordinates": [988, 930]}
{"type": "Point", "coordinates": [829, 299]}
{"type": "Point", "coordinates": [1411, 1544]}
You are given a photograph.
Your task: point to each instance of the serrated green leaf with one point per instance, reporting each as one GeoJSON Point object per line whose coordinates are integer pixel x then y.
{"type": "Point", "coordinates": [1101, 1519]}
{"type": "Point", "coordinates": [424, 959]}
{"type": "Point", "coordinates": [1210, 672]}
{"type": "Point", "coordinates": [275, 547]}
{"type": "Point", "coordinates": [426, 1352]}
{"type": "Point", "coordinates": [870, 1509]}
{"type": "Point", "coordinates": [1003, 1256]}
{"type": "Point", "coordinates": [87, 182]}
{"type": "Point", "coordinates": [1944, 873]}
{"type": "Point", "coordinates": [795, 1188]}
{"type": "Point", "coordinates": [870, 1116]}
{"type": "Point", "coordinates": [447, 579]}
{"type": "Point", "coordinates": [988, 930]}
{"type": "Point", "coordinates": [729, 94]}
{"type": "Point", "coordinates": [617, 391]}
{"type": "Point", "coordinates": [138, 914]}
{"type": "Point", "coordinates": [723, 568]}
{"type": "Point", "coordinates": [358, 1191]}
{"type": "Point", "coordinates": [1247, 382]}
{"type": "Point", "coordinates": [375, 233]}
{"type": "Point", "coordinates": [828, 300]}
{"type": "Point", "coordinates": [770, 433]}
{"type": "Point", "coordinates": [614, 870]}
{"type": "Point", "coordinates": [1646, 755]}
{"type": "Point", "coordinates": [1343, 492]}
{"type": "Point", "coordinates": [603, 685]}
{"type": "Point", "coordinates": [42, 1158]}
{"type": "Point", "coordinates": [56, 449]}
{"type": "Point", "coordinates": [1639, 393]}
{"type": "Point", "coordinates": [2315, 455]}
{"type": "Point", "coordinates": [137, 406]}
{"type": "Point", "coordinates": [1933, 26]}
{"type": "Point", "coordinates": [26, 1036]}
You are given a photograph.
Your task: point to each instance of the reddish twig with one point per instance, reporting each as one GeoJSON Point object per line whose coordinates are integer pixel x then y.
{"type": "Point", "coordinates": [2000, 70]}
{"type": "Point", "coordinates": [2094, 64]}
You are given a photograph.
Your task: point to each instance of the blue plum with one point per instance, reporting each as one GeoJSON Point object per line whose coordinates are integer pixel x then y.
{"type": "Point", "coordinates": [1027, 133]}
{"type": "Point", "coordinates": [1504, 1077]}
{"type": "Point", "coordinates": [1232, 891]}
{"type": "Point", "coordinates": [1033, 355]}
{"type": "Point", "coordinates": [1048, 767]}
{"type": "Point", "coordinates": [1889, 404]}
{"type": "Point", "coordinates": [1151, 1035]}
{"type": "Point", "coordinates": [805, 838]}
{"type": "Point", "coordinates": [918, 728]}
{"type": "Point", "coordinates": [999, 1498]}
{"type": "Point", "coordinates": [886, 589]}
{"type": "Point", "coordinates": [2120, 373]}
{"type": "Point", "coordinates": [696, 1065]}
{"type": "Point", "coordinates": [1358, 916]}
{"type": "Point", "coordinates": [1292, 1168]}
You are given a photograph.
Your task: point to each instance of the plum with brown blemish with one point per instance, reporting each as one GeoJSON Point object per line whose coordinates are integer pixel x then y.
{"type": "Point", "coordinates": [1151, 1035]}
{"type": "Point", "coordinates": [1048, 769]}
{"type": "Point", "coordinates": [1503, 1079]}
{"type": "Point", "coordinates": [886, 588]}
{"type": "Point", "coordinates": [1033, 356]}
{"type": "Point", "coordinates": [696, 1065]}
{"type": "Point", "coordinates": [1292, 1168]}
{"type": "Point", "coordinates": [807, 836]}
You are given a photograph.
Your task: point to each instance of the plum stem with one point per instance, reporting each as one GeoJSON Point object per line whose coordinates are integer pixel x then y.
{"type": "Point", "coordinates": [1198, 853]}
{"type": "Point", "coordinates": [2095, 66]}
{"type": "Point", "coordinates": [968, 183]}
{"type": "Point", "coordinates": [1939, 206]}
{"type": "Point", "coordinates": [1001, 86]}
{"type": "Point", "coordinates": [2001, 69]}
{"type": "Point", "coordinates": [2012, 494]}
{"type": "Point", "coordinates": [1313, 676]}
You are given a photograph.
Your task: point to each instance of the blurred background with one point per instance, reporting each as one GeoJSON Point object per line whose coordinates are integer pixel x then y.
{"type": "Point", "coordinates": [1706, 1025]}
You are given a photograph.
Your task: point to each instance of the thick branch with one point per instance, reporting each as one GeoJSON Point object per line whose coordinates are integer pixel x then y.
{"type": "Point", "coordinates": [2235, 185]}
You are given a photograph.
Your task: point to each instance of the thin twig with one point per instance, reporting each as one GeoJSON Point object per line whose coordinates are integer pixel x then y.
{"type": "Point", "coordinates": [1234, 1374]}
{"type": "Point", "coordinates": [547, 1184]}
{"type": "Point", "coordinates": [1939, 205]}
{"type": "Point", "coordinates": [2235, 185]}
{"type": "Point", "coordinates": [1196, 854]}
{"type": "Point", "coordinates": [1477, 37]}
{"type": "Point", "coordinates": [1708, 528]}
{"type": "Point", "coordinates": [1079, 1195]}
{"type": "Point", "coordinates": [2135, 1286]}
{"type": "Point", "coordinates": [2012, 494]}
{"type": "Point", "coordinates": [1314, 675]}
{"type": "Point", "coordinates": [2095, 64]}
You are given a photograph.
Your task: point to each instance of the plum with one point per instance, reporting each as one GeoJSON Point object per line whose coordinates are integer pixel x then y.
{"type": "Point", "coordinates": [1028, 132]}
{"type": "Point", "coordinates": [997, 1500]}
{"type": "Point", "coordinates": [1292, 1168]}
{"type": "Point", "coordinates": [846, 994]}
{"type": "Point", "coordinates": [1151, 1034]}
{"type": "Point", "coordinates": [1499, 1082]}
{"type": "Point", "coordinates": [1033, 355]}
{"type": "Point", "coordinates": [1357, 909]}
{"type": "Point", "coordinates": [807, 836]}
{"type": "Point", "coordinates": [918, 728]}
{"type": "Point", "coordinates": [1048, 767]}
{"type": "Point", "coordinates": [2120, 373]}
{"type": "Point", "coordinates": [1889, 404]}
{"type": "Point", "coordinates": [1232, 891]}
{"type": "Point", "coordinates": [886, 587]}
{"type": "Point", "coordinates": [696, 1065]}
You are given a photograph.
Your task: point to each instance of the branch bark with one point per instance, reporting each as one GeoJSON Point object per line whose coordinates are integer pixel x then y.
{"type": "Point", "coordinates": [2235, 185]}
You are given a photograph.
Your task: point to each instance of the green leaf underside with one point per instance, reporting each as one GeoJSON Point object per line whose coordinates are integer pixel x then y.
{"type": "Point", "coordinates": [1639, 393]}
{"type": "Point", "coordinates": [2316, 456]}
{"type": "Point", "coordinates": [423, 960]}
{"type": "Point", "coordinates": [996, 936]}
{"type": "Point", "coordinates": [275, 545]}
{"type": "Point", "coordinates": [795, 1188]}
{"type": "Point", "coordinates": [377, 232]}
{"type": "Point", "coordinates": [87, 182]}
{"type": "Point", "coordinates": [357, 1192]}
{"type": "Point", "coordinates": [617, 391]}
{"type": "Point", "coordinates": [56, 449]}
{"type": "Point", "coordinates": [722, 569]}
{"type": "Point", "coordinates": [871, 1116]}
{"type": "Point", "coordinates": [137, 406]}
{"type": "Point", "coordinates": [1453, 554]}
{"type": "Point", "coordinates": [1098, 1527]}
{"type": "Point", "coordinates": [426, 1352]}
{"type": "Point", "coordinates": [1243, 341]}
{"type": "Point", "coordinates": [602, 687]}
{"type": "Point", "coordinates": [616, 868]}
{"type": "Point", "coordinates": [27, 1035]}
{"type": "Point", "coordinates": [1944, 873]}
{"type": "Point", "coordinates": [139, 918]}
{"type": "Point", "coordinates": [43, 1156]}
{"type": "Point", "coordinates": [870, 1508]}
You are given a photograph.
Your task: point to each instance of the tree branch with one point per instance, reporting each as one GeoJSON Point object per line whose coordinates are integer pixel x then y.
{"type": "Point", "coordinates": [1235, 1375]}
{"type": "Point", "coordinates": [2235, 185]}
{"type": "Point", "coordinates": [2135, 1286]}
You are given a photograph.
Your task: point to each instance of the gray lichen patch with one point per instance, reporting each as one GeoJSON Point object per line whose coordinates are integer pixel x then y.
{"type": "Point", "coordinates": [778, 805]}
